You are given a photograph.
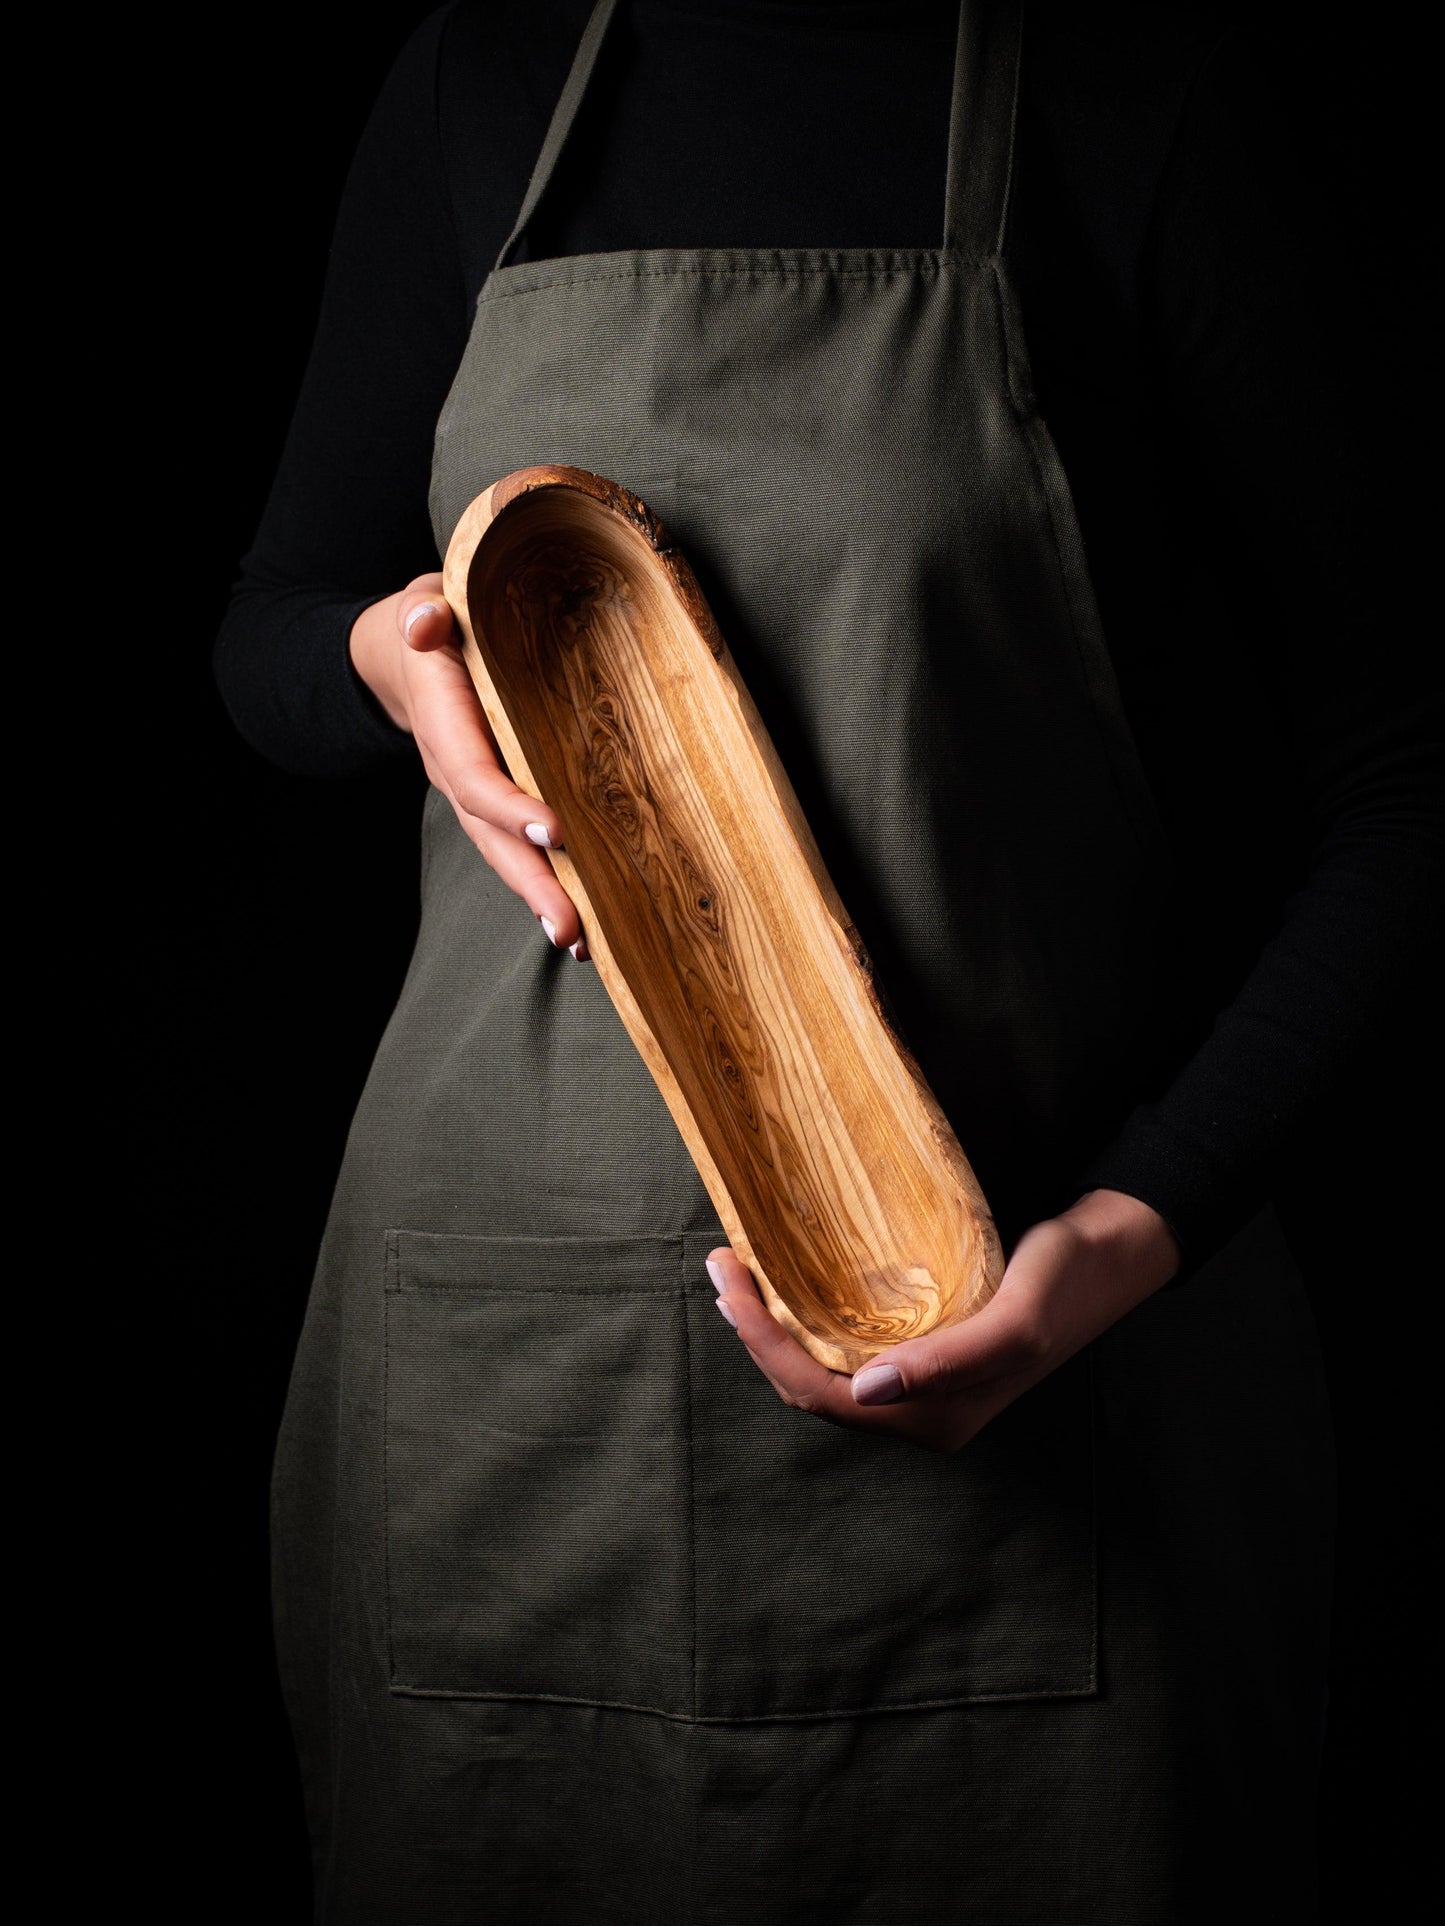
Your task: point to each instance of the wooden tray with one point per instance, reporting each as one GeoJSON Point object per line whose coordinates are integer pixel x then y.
{"type": "Point", "coordinates": [711, 919]}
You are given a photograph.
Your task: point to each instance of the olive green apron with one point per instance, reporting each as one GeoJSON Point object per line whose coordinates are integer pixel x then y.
{"type": "Point", "coordinates": [577, 1621]}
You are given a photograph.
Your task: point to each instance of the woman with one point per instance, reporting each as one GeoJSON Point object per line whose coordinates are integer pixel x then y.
{"type": "Point", "coordinates": [588, 1608]}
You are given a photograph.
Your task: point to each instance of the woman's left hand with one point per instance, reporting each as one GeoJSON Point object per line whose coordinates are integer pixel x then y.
{"type": "Point", "coordinates": [1069, 1278]}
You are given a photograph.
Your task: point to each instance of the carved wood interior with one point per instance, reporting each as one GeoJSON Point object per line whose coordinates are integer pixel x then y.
{"type": "Point", "coordinates": [711, 919]}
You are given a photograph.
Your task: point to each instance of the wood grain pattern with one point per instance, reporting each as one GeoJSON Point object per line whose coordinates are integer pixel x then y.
{"type": "Point", "coordinates": [711, 918]}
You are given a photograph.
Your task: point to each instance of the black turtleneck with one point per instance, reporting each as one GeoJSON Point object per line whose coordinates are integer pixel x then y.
{"type": "Point", "coordinates": [1196, 358]}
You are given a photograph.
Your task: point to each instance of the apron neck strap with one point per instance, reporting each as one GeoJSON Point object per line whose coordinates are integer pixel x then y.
{"type": "Point", "coordinates": [563, 117]}
{"type": "Point", "coordinates": [981, 128]}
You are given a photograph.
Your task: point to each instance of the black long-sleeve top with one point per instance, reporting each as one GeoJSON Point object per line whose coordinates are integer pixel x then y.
{"type": "Point", "coordinates": [1197, 356]}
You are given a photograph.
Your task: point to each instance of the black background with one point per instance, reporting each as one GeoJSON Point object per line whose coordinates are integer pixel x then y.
{"type": "Point", "coordinates": [263, 922]}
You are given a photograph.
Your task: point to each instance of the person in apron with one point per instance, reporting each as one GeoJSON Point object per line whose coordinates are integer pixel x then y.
{"type": "Point", "coordinates": [579, 1619]}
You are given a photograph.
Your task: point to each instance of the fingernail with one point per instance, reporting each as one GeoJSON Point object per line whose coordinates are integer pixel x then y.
{"type": "Point", "coordinates": [536, 834]}
{"type": "Point", "coordinates": [878, 1384]}
{"type": "Point", "coordinates": [550, 928]}
{"type": "Point", "coordinates": [714, 1271]}
{"type": "Point", "coordinates": [726, 1312]}
{"type": "Point", "coordinates": [418, 614]}
{"type": "Point", "coordinates": [580, 951]}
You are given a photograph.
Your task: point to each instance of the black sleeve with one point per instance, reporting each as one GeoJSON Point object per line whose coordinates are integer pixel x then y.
{"type": "Point", "coordinates": [1284, 380]}
{"type": "Point", "coordinates": [346, 521]}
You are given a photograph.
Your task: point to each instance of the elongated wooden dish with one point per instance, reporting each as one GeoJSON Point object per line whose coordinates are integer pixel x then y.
{"type": "Point", "coordinates": [711, 919]}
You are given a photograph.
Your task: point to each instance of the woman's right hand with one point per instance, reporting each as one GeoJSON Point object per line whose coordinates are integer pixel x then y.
{"type": "Point", "coordinates": [407, 651]}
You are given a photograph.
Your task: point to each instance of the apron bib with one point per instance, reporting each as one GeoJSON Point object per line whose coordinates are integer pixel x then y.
{"type": "Point", "coordinates": [560, 1581]}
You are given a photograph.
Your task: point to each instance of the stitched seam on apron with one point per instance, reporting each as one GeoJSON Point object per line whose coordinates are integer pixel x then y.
{"type": "Point", "coordinates": [391, 1286]}
{"type": "Point", "coordinates": [682, 1300]}
{"type": "Point", "coordinates": [757, 1718]}
{"type": "Point", "coordinates": [761, 272]}
{"type": "Point", "coordinates": [533, 1290]}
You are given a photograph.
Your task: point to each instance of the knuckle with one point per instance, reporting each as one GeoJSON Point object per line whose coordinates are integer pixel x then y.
{"type": "Point", "coordinates": [475, 789]}
{"type": "Point", "coordinates": [926, 1366]}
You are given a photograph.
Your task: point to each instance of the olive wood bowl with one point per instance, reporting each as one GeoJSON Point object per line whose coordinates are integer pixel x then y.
{"type": "Point", "coordinates": [711, 919]}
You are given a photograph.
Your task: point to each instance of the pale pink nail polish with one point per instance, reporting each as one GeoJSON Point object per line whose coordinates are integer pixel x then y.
{"type": "Point", "coordinates": [535, 833]}
{"type": "Point", "coordinates": [550, 928]}
{"type": "Point", "coordinates": [714, 1271]}
{"type": "Point", "coordinates": [726, 1312]}
{"type": "Point", "coordinates": [877, 1384]}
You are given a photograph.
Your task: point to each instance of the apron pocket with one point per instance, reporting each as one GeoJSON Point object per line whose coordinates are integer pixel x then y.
{"type": "Point", "coordinates": [838, 1572]}
{"type": "Point", "coordinates": [536, 1474]}
{"type": "Point", "coordinates": [592, 1495]}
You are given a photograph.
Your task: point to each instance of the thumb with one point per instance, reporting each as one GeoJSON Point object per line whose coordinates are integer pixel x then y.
{"type": "Point", "coordinates": [423, 614]}
{"type": "Point", "coordinates": [998, 1341]}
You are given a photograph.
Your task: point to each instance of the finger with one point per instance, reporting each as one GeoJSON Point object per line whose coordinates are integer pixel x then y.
{"type": "Point", "coordinates": [526, 872]}
{"type": "Point", "coordinates": [936, 1424]}
{"type": "Point", "coordinates": [997, 1342]}
{"type": "Point", "coordinates": [797, 1377]}
{"type": "Point", "coordinates": [1003, 1340]}
{"type": "Point", "coordinates": [731, 1276]}
{"type": "Point", "coordinates": [424, 615]}
{"type": "Point", "coordinates": [452, 733]}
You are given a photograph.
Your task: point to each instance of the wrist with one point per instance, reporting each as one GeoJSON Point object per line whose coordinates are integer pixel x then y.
{"type": "Point", "coordinates": [1127, 1234]}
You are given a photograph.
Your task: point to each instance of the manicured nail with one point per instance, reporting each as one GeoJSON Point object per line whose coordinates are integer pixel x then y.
{"type": "Point", "coordinates": [418, 614]}
{"type": "Point", "coordinates": [878, 1384]}
{"type": "Point", "coordinates": [550, 928]}
{"type": "Point", "coordinates": [580, 951]}
{"type": "Point", "coordinates": [726, 1312]}
{"type": "Point", "coordinates": [536, 834]}
{"type": "Point", "coordinates": [714, 1271]}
